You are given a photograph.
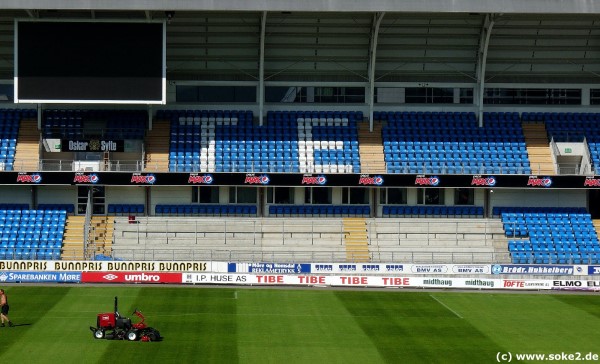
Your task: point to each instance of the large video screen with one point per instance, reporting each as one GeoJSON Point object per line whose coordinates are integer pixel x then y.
{"type": "Point", "coordinates": [89, 62]}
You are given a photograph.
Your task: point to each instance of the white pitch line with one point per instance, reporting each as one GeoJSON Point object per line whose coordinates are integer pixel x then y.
{"type": "Point", "coordinates": [448, 308]}
{"type": "Point", "coordinates": [235, 295]}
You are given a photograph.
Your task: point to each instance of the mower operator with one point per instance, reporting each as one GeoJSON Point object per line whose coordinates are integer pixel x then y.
{"type": "Point", "coordinates": [4, 309]}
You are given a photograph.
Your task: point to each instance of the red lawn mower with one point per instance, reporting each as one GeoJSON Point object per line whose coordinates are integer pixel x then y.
{"type": "Point", "coordinates": [112, 326]}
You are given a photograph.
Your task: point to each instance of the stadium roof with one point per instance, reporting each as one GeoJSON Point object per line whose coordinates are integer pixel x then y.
{"type": "Point", "coordinates": [310, 41]}
{"type": "Point", "coordinates": [440, 6]}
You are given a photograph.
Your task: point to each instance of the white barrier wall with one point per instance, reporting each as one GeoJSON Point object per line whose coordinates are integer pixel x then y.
{"type": "Point", "coordinates": [303, 268]}
{"type": "Point", "coordinates": [15, 194]}
{"type": "Point", "coordinates": [530, 277]}
{"type": "Point", "coordinates": [335, 275]}
{"type": "Point", "coordinates": [538, 198]}
{"type": "Point", "coordinates": [57, 195]}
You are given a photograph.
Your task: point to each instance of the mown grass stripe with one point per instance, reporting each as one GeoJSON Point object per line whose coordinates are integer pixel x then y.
{"type": "Point", "coordinates": [413, 328]}
{"type": "Point", "coordinates": [587, 303]}
{"type": "Point", "coordinates": [299, 326]}
{"type": "Point", "coordinates": [448, 308]}
{"type": "Point", "coordinates": [539, 323]}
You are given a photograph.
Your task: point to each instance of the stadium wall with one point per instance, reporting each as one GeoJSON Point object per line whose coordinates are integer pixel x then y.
{"type": "Point", "coordinates": [56, 195]}
{"type": "Point", "coordinates": [174, 195]}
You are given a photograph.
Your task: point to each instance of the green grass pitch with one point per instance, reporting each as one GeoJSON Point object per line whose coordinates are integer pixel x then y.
{"type": "Point", "coordinates": [265, 325]}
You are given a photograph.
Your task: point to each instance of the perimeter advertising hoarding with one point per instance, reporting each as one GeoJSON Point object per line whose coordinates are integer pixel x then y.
{"type": "Point", "coordinates": [303, 180]}
{"type": "Point", "coordinates": [291, 268]}
{"type": "Point", "coordinates": [272, 268]}
{"type": "Point", "coordinates": [537, 269]}
{"type": "Point", "coordinates": [387, 268]}
{"type": "Point", "coordinates": [388, 281]}
{"type": "Point", "coordinates": [380, 281]}
{"type": "Point", "coordinates": [399, 268]}
{"type": "Point", "coordinates": [130, 277]}
{"type": "Point", "coordinates": [111, 266]}
{"type": "Point", "coordinates": [576, 284]}
{"type": "Point", "coordinates": [40, 277]}
{"type": "Point", "coordinates": [594, 269]}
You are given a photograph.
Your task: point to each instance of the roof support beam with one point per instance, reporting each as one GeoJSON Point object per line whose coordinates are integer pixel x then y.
{"type": "Point", "coordinates": [377, 18]}
{"type": "Point", "coordinates": [484, 42]}
{"type": "Point", "coordinates": [33, 13]}
{"type": "Point", "coordinates": [261, 68]}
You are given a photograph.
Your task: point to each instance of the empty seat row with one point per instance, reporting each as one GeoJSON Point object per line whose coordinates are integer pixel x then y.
{"type": "Point", "coordinates": [14, 206]}
{"type": "Point", "coordinates": [69, 208]}
{"type": "Point", "coordinates": [196, 117]}
{"type": "Point", "coordinates": [560, 116]}
{"type": "Point", "coordinates": [540, 211]}
{"type": "Point", "coordinates": [554, 258]}
{"type": "Point", "coordinates": [30, 254]}
{"type": "Point", "coordinates": [125, 208]}
{"type": "Point", "coordinates": [527, 245]}
{"type": "Point", "coordinates": [455, 168]}
{"type": "Point", "coordinates": [17, 114]}
{"type": "Point", "coordinates": [432, 211]}
{"type": "Point", "coordinates": [206, 210]}
{"type": "Point", "coordinates": [423, 116]}
{"type": "Point", "coordinates": [319, 210]}
{"type": "Point", "coordinates": [327, 116]}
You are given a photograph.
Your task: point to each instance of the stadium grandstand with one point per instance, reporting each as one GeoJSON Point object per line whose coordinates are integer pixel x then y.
{"type": "Point", "coordinates": [458, 132]}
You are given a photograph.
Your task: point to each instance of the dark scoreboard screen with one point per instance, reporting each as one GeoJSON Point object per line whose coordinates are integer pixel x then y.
{"type": "Point", "coordinates": [89, 62]}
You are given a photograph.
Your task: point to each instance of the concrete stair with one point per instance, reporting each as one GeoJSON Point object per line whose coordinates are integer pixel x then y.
{"type": "Point", "coordinates": [596, 223]}
{"type": "Point", "coordinates": [157, 147]}
{"type": "Point", "coordinates": [101, 235]}
{"type": "Point", "coordinates": [27, 152]}
{"type": "Point", "coordinates": [370, 149]}
{"type": "Point", "coordinates": [73, 239]}
{"type": "Point", "coordinates": [538, 149]}
{"type": "Point", "coordinates": [356, 239]}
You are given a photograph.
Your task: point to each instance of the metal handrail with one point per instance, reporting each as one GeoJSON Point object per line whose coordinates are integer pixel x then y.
{"type": "Point", "coordinates": [69, 165]}
{"type": "Point", "coordinates": [587, 166]}
{"type": "Point", "coordinates": [305, 256]}
{"type": "Point", "coordinates": [88, 221]}
{"type": "Point", "coordinates": [266, 256]}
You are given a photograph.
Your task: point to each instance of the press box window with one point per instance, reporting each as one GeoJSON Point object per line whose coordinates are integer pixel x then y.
{"type": "Point", "coordinates": [430, 196]}
{"type": "Point", "coordinates": [317, 195]}
{"type": "Point", "coordinates": [464, 196]}
{"type": "Point", "coordinates": [392, 196]}
{"type": "Point", "coordinates": [355, 196]}
{"type": "Point", "coordinates": [205, 194]}
{"type": "Point", "coordinates": [280, 195]}
{"type": "Point", "coordinates": [242, 194]}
